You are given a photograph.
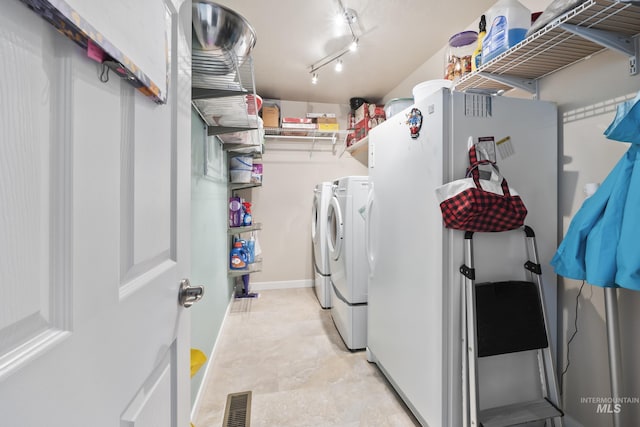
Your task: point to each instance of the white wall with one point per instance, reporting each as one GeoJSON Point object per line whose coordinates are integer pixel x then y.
{"type": "Point", "coordinates": [586, 94]}
{"type": "Point", "coordinates": [283, 203]}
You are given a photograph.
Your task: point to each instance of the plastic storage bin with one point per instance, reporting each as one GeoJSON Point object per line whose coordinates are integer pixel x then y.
{"type": "Point", "coordinates": [396, 105]}
{"type": "Point", "coordinates": [424, 89]}
{"type": "Point", "coordinates": [240, 168]}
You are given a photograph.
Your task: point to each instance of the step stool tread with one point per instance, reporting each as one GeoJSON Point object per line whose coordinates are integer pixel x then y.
{"type": "Point", "coordinates": [519, 413]}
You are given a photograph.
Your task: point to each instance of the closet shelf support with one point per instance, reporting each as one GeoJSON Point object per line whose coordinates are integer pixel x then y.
{"type": "Point", "coordinates": [528, 85]}
{"type": "Point", "coordinates": [611, 40]}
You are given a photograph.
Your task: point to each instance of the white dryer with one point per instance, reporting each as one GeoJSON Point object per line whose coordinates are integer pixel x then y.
{"type": "Point", "coordinates": [347, 259]}
{"type": "Point", "coordinates": [322, 194]}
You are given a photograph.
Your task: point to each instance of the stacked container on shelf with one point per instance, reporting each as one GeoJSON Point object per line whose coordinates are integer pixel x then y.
{"type": "Point", "coordinates": [239, 212]}
{"type": "Point", "coordinates": [362, 119]}
{"type": "Point", "coordinates": [243, 253]}
{"type": "Point", "coordinates": [507, 25]}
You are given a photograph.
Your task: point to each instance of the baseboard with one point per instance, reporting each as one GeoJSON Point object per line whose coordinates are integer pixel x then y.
{"type": "Point", "coordinates": [209, 363]}
{"type": "Point", "coordinates": [288, 284]}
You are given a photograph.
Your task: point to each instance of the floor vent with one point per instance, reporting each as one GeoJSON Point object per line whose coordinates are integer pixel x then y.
{"type": "Point", "coordinates": [237, 412]}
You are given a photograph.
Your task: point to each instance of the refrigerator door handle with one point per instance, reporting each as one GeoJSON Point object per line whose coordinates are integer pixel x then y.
{"type": "Point", "coordinates": [367, 232]}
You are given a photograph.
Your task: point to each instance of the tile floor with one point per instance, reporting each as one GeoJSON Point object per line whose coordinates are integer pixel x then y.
{"type": "Point", "coordinates": [285, 349]}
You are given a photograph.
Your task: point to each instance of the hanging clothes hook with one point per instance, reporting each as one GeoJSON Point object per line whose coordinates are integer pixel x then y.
{"type": "Point", "coordinates": [104, 75]}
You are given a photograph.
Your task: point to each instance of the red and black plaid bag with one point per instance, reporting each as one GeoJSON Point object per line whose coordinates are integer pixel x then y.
{"type": "Point", "coordinates": [476, 209]}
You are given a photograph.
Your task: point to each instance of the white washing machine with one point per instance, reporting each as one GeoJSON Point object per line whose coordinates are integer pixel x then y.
{"type": "Point", "coordinates": [322, 194]}
{"type": "Point", "coordinates": [347, 259]}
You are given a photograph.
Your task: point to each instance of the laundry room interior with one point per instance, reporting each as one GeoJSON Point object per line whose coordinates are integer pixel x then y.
{"type": "Point", "coordinates": [548, 137]}
{"type": "Point", "coordinates": [336, 213]}
{"type": "Point", "coordinates": [329, 213]}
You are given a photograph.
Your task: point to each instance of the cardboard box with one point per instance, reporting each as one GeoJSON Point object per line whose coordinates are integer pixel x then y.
{"type": "Point", "coordinates": [321, 115]}
{"type": "Point", "coordinates": [361, 130]}
{"type": "Point", "coordinates": [376, 111]}
{"type": "Point", "coordinates": [328, 127]}
{"type": "Point", "coordinates": [298, 120]}
{"type": "Point", "coordinates": [297, 129]}
{"type": "Point", "coordinates": [326, 120]}
{"type": "Point", "coordinates": [367, 111]}
{"type": "Point", "coordinates": [309, 126]}
{"type": "Point", "coordinates": [361, 113]}
{"type": "Point", "coordinates": [271, 116]}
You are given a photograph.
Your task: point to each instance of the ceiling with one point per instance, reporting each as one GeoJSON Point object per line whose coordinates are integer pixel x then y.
{"type": "Point", "coordinates": [397, 36]}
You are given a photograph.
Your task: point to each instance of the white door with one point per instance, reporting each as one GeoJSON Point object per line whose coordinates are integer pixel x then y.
{"type": "Point", "coordinates": [94, 234]}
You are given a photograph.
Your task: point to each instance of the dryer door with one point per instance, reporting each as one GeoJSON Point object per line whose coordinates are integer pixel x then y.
{"type": "Point", "coordinates": [335, 232]}
{"type": "Point", "coordinates": [315, 221]}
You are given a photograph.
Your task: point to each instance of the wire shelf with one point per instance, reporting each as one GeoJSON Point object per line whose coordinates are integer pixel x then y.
{"type": "Point", "coordinates": [553, 47]}
{"type": "Point", "coordinates": [221, 97]}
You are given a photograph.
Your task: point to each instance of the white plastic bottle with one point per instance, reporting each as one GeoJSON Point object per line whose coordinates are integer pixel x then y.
{"type": "Point", "coordinates": [509, 21]}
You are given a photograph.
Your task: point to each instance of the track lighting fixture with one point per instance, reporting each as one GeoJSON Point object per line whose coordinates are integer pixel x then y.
{"type": "Point", "coordinates": [331, 58]}
{"type": "Point", "coordinates": [350, 17]}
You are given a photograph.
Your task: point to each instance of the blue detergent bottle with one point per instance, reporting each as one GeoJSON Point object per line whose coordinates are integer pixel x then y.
{"type": "Point", "coordinates": [251, 248]}
{"type": "Point", "coordinates": [508, 23]}
{"type": "Point", "coordinates": [238, 257]}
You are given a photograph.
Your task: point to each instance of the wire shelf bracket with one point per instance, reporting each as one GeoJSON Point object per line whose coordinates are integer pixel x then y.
{"type": "Point", "coordinates": [611, 40]}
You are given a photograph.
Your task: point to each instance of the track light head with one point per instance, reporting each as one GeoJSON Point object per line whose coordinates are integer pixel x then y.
{"type": "Point", "coordinates": [350, 16]}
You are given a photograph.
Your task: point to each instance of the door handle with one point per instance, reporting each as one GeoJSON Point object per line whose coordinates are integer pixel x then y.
{"type": "Point", "coordinates": [189, 294]}
{"type": "Point", "coordinates": [367, 232]}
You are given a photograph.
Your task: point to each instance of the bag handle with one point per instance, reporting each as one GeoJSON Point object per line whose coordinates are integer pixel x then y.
{"type": "Point", "coordinates": [474, 164]}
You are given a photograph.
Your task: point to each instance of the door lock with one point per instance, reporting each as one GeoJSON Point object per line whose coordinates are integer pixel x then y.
{"type": "Point", "coordinates": [189, 294]}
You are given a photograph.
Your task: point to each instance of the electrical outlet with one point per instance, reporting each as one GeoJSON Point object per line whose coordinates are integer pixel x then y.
{"type": "Point", "coordinates": [633, 65]}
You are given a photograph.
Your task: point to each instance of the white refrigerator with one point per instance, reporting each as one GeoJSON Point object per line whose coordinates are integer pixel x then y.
{"type": "Point", "coordinates": [414, 319]}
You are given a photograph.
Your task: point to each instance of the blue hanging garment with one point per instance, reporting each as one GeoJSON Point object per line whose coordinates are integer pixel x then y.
{"type": "Point", "coordinates": [626, 125]}
{"type": "Point", "coordinates": [588, 251]}
{"type": "Point", "coordinates": [601, 245]}
{"type": "Point", "coordinates": [628, 254]}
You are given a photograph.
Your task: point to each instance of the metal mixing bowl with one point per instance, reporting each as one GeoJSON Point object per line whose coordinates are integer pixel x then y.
{"type": "Point", "coordinates": [222, 35]}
